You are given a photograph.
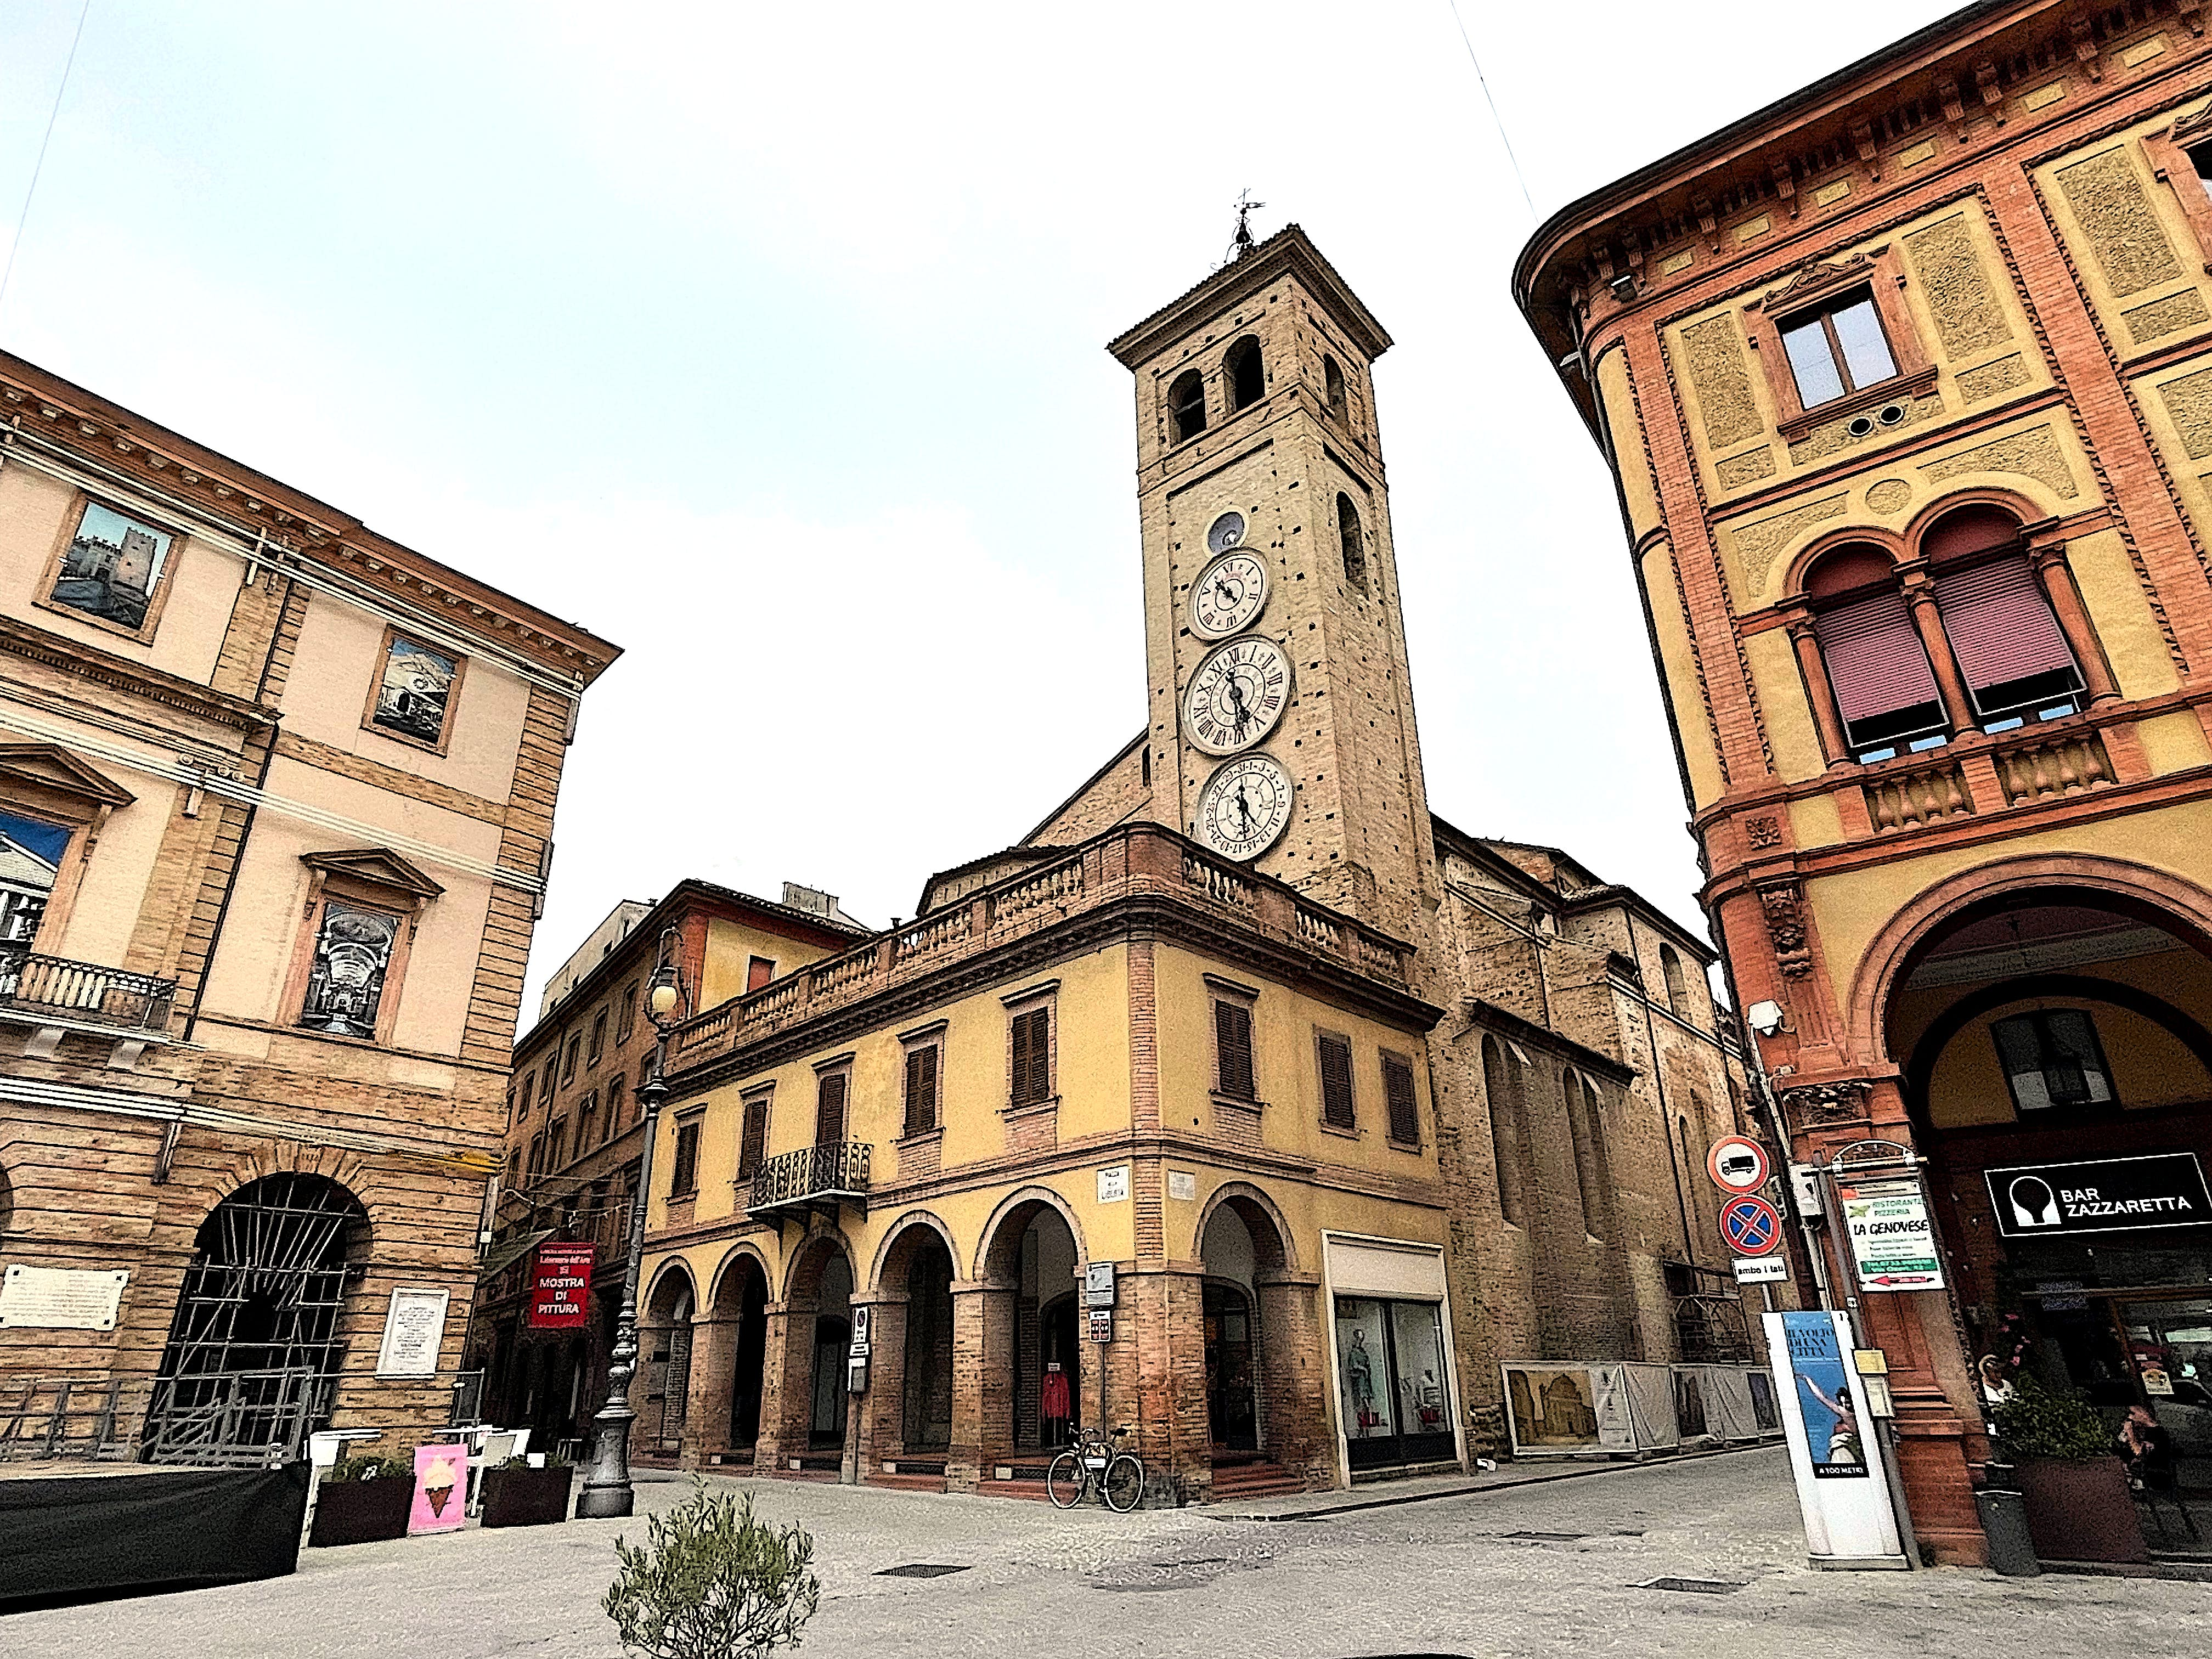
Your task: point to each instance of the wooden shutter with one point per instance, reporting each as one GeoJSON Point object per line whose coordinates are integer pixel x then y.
{"type": "Point", "coordinates": [921, 1089]}
{"type": "Point", "coordinates": [829, 1108]}
{"type": "Point", "coordinates": [1232, 1042]}
{"type": "Point", "coordinates": [1336, 1081]}
{"type": "Point", "coordinates": [753, 1147]}
{"type": "Point", "coordinates": [1398, 1095]}
{"type": "Point", "coordinates": [687, 1161]}
{"type": "Point", "coordinates": [1032, 1039]}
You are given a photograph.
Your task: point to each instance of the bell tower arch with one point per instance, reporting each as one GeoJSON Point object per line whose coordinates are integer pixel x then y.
{"type": "Point", "coordinates": [1274, 641]}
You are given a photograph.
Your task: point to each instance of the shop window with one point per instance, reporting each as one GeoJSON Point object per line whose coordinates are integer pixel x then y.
{"type": "Point", "coordinates": [1246, 375]}
{"type": "Point", "coordinates": [1331, 379]}
{"type": "Point", "coordinates": [1501, 1083]}
{"type": "Point", "coordinates": [2052, 1059]}
{"type": "Point", "coordinates": [112, 572]}
{"type": "Point", "coordinates": [1836, 348]}
{"type": "Point", "coordinates": [1401, 1100]}
{"type": "Point", "coordinates": [1352, 544]}
{"type": "Point", "coordinates": [1029, 1038]}
{"type": "Point", "coordinates": [759, 970]}
{"type": "Point", "coordinates": [830, 1102]}
{"type": "Point", "coordinates": [921, 1077]}
{"type": "Point", "coordinates": [1186, 405]}
{"type": "Point", "coordinates": [752, 1139]}
{"type": "Point", "coordinates": [1393, 1382]}
{"type": "Point", "coordinates": [1232, 1048]}
{"type": "Point", "coordinates": [626, 1013]}
{"type": "Point", "coordinates": [417, 691]}
{"type": "Point", "coordinates": [1337, 1107]}
{"type": "Point", "coordinates": [598, 1036]}
{"type": "Point", "coordinates": [684, 1179]}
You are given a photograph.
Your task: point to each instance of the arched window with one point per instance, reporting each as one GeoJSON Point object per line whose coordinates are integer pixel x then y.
{"type": "Point", "coordinates": [1589, 1184]}
{"type": "Point", "coordinates": [1354, 544]}
{"type": "Point", "coordinates": [1877, 667]}
{"type": "Point", "coordinates": [2011, 653]}
{"type": "Point", "coordinates": [1678, 990]}
{"type": "Point", "coordinates": [1331, 381]}
{"type": "Point", "coordinates": [1247, 377]}
{"type": "Point", "coordinates": [1501, 1083]}
{"type": "Point", "coordinates": [1186, 405]}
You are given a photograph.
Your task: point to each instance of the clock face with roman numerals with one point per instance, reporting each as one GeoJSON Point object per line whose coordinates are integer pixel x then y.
{"type": "Point", "coordinates": [1245, 807]}
{"type": "Point", "coordinates": [1238, 693]}
{"type": "Point", "coordinates": [1227, 595]}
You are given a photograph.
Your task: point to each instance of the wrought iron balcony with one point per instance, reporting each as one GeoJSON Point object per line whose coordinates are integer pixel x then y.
{"type": "Point", "coordinates": [65, 992]}
{"type": "Point", "coordinates": [824, 1178]}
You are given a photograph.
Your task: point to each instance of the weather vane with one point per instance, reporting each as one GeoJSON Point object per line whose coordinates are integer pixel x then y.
{"type": "Point", "coordinates": [1242, 242]}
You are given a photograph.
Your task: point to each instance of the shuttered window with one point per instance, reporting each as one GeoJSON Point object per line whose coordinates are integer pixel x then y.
{"type": "Point", "coordinates": [830, 1107]}
{"type": "Point", "coordinates": [1875, 662]}
{"type": "Point", "coordinates": [1232, 1042]}
{"type": "Point", "coordinates": [1336, 1081]}
{"type": "Point", "coordinates": [1398, 1095]}
{"type": "Point", "coordinates": [2008, 643]}
{"type": "Point", "coordinates": [1032, 1058]}
{"type": "Point", "coordinates": [921, 1089]}
{"type": "Point", "coordinates": [752, 1144]}
{"type": "Point", "coordinates": [686, 1178]}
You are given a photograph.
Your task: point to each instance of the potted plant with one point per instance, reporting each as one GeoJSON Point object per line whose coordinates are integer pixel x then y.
{"type": "Point", "coordinates": [362, 1500]}
{"type": "Point", "coordinates": [2074, 1488]}
{"type": "Point", "coordinates": [517, 1495]}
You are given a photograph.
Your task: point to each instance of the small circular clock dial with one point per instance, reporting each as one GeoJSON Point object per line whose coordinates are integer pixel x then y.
{"type": "Point", "coordinates": [1227, 532]}
{"type": "Point", "coordinates": [1245, 807]}
{"type": "Point", "coordinates": [1229, 595]}
{"type": "Point", "coordinates": [1238, 693]}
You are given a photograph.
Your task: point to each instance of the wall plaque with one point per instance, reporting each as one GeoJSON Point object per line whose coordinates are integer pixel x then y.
{"type": "Point", "coordinates": [60, 1299]}
{"type": "Point", "coordinates": [414, 1330]}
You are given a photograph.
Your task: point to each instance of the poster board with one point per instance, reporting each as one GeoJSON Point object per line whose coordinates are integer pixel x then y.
{"type": "Point", "coordinates": [1835, 1460]}
{"type": "Point", "coordinates": [442, 1489]}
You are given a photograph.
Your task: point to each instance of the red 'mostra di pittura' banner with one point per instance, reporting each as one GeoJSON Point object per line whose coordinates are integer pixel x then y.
{"type": "Point", "coordinates": [560, 1279]}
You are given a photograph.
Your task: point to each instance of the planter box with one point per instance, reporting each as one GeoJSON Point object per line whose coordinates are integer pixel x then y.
{"type": "Point", "coordinates": [362, 1511]}
{"type": "Point", "coordinates": [525, 1498]}
{"type": "Point", "coordinates": [2080, 1511]}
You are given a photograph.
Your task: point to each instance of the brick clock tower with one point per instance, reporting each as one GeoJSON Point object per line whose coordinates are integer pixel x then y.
{"type": "Point", "coordinates": [1280, 716]}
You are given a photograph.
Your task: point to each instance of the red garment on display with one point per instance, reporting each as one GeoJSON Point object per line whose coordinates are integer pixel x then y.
{"type": "Point", "coordinates": [1053, 1400]}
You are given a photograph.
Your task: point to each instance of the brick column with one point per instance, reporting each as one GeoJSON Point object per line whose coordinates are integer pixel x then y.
{"type": "Point", "coordinates": [1152, 1375]}
{"type": "Point", "coordinates": [786, 1376]}
{"type": "Point", "coordinates": [1294, 1376]}
{"type": "Point", "coordinates": [881, 1410]}
{"type": "Point", "coordinates": [982, 1383]}
{"type": "Point", "coordinates": [713, 1369]}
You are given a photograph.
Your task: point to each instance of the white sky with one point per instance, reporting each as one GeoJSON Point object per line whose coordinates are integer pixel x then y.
{"type": "Point", "coordinates": [767, 342]}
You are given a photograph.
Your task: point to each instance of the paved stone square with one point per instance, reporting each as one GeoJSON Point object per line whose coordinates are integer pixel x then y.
{"type": "Point", "coordinates": [1447, 1576]}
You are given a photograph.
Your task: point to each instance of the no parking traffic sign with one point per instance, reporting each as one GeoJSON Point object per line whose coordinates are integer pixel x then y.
{"type": "Point", "coordinates": [1750, 1226]}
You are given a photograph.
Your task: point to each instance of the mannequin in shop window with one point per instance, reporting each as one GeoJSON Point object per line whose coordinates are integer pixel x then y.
{"type": "Point", "coordinates": [1053, 1404]}
{"type": "Point", "coordinates": [1359, 1369]}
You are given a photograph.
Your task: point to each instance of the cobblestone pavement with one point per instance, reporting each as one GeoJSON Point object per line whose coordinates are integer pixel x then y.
{"type": "Point", "coordinates": [1545, 1568]}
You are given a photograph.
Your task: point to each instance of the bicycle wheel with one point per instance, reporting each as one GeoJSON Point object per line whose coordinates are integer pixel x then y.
{"type": "Point", "coordinates": [1124, 1484]}
{"type": "Point", "coordinates": [1063, 1481]}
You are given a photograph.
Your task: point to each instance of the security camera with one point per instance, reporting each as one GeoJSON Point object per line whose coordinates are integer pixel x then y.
{"type": "Point", "coordinates": [1765, 1017]}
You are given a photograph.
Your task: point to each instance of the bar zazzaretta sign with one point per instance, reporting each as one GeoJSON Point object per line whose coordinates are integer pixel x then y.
{"type": "Point", "coordinates": [2101, 1195]}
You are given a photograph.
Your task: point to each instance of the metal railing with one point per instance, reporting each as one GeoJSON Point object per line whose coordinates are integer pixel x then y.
{"type": "Point", "coordinates": [834, 1170]}
{"type": "Point", "coordinates": [83, 990]}
{"type": "Point", "coordinates": [57, 1417]}
{"type": "Point", "coordinates": [236, 1420]}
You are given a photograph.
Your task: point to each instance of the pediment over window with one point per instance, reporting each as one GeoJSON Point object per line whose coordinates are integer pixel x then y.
{"type": "Point", "coordinates": [1816, 278]}
{"type": "Point", "coordinates": [2192, 129]}
{"type": "Point", "coordinates": [50, 766]}
{"type": "Point", "coordinates": [377, 866]}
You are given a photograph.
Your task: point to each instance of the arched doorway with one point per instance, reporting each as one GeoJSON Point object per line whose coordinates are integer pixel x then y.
{"type": "Point", "coordinates": [1033, 1258]}
{"type": "Point", "coordinates": [253, 1352]}
{"type": "Point", "coordinates": [833, 1337]}
{"type": "Point", "coordinates": [2056, 1047]}
{"type": "Point", "coordinates": [668, 1363]}
{"type": "Point", "coordinates": [1232, 1347]}
{"type": "Point", "coordinates": [925, 1403]}
{"type": "Point", "coordinates": [741, 1311]}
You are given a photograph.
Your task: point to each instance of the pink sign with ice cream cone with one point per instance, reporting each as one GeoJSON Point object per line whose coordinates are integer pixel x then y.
{"type": "Point", "coordinates": [442, 1489]}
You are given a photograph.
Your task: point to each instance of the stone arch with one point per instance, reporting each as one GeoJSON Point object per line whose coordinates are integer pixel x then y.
{"type": "Point", "coordinates": [996, 1231]}
{"type": "Point", "coordinates": [802, 1275]}
{"type": "Point", "coordinates": [1802, 561]}
{"type": "Point", "coordinates": [898, 1238]}
{"type": "Point", "coordinates": [1275, 1249]}
{"type": "Point", "coordinates": [670, 1280]}
{"type": "Point", "coordinates": [2170, 902]}
{"type": "Point", "coordinates": [727, 1268]}
{"type": "Point", "coordinates": [2016, 506]}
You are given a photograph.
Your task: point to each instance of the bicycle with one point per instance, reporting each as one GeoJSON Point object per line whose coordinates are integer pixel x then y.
{"type": "Point", "coordinates": [1097, 1460]}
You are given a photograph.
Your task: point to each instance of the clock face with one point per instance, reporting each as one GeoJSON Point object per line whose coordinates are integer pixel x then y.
{"type": "Point", "coordinates": [1245, 807]}
{"type": "Point", "coordinates": [1225, 532]}
{"type": "Point", "coordinates": [1229, 595]}
{"type": "Point", "coordinates": [1238, 693]}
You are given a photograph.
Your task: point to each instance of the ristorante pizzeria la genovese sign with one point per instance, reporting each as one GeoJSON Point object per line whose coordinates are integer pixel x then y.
{"type": "Point", "coordinates": [2101, 1195]}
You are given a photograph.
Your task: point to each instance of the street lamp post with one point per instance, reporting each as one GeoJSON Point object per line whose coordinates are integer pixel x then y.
{"type": "Point", "coordinates": [607, 1490]}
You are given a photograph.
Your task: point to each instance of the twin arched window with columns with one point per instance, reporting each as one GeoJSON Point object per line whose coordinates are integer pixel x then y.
{"type": "Point", "coordinates": [1969, 625]}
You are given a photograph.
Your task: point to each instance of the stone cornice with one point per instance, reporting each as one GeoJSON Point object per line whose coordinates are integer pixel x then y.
{"type": "Point", "coordinates": [89, 662]}
{"type": "Point", "coordinates": [1502, 1022]}
{"type": "Point", "coordinates": [1288, 252]}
